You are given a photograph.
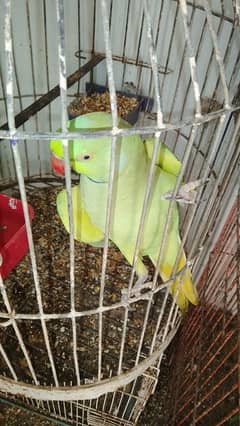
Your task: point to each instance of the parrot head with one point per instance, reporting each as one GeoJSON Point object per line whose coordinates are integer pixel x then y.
{"type": "Point", "coordinates": [89, 156]}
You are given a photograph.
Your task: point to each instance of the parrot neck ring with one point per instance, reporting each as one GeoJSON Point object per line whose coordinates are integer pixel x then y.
{"type": "Point", "coordinates": [97, 181]}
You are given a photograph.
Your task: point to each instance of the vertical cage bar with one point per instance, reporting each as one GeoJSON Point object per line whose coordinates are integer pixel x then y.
{"type": "Point", "coordinates": [218, 54]}
{"type": "Point", "coordinates": [204, 180]}
{"type": "Point", "coordinates": [65, 406]}
{"type": "Point", "coordinates": [191, 58]}
{"type": "Point", "coordinates": [236, 5]}
{"type": "Point", "coordinates": [150, 177]}
{"type": "Point", "coordinates": [167, 223]}
{"type": "Point", "coordinates": [19, 97]}
{"type": "Point", "coordinates": [211, 156]}
{"type": "Point", "coordinates": [33, 77]}
{"type": "Point", "coordinates": [113, 103]}
{"type": "Point", "coordinates": [154, 64]}
{"type": "Point", "coordinates": [166, 227]}
{"type": "Point", "coordinates": [179, 78]}
{"type": "Point", "coordinates": [77, 414]}
{"type": "Point", "coordinates": [210, 62]}
{"type": "Point", "coordinates": [16, 329]}
{"type": "Point", "coordinates": [125, 41]}
{"type": "Point", "coordinates": [112, 402]}
{"type": "Point", "coordinates": [137, 248]}
{"type": "Point", "coordinates": [54, 409]}
{"type": "Point", "coordinates": [47, 61]}
{"type": "Point", "coordinates": [6, 359]}
{"type": "Point", "coordinates": [14, 145]}
{"type": "Point", "coordinates": [79, 39]}
{"type": "Point", "coordinates": [63, 97]}
{"type": "Point", "coordinates": [83, 412]}
{"type": "Point", "coordinates": [213, 203]}
{"type": "Point", "coordinates": [222, 120]}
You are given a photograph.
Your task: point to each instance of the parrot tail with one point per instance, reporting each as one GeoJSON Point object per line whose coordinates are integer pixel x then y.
{"type": "Point", "coordinates": [183, 284]}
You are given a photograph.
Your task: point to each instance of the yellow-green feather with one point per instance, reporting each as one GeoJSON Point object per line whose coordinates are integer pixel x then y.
{"type": "Point", "coordinates": [165, 158]}
{"type": "Point", "coordinates": [132, 166]}
{"type": "Point", "coordinates": [84, 229]}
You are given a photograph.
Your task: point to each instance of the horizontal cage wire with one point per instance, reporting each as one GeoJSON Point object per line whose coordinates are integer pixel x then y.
{"type": "Point", "coordinates": [83, 333]}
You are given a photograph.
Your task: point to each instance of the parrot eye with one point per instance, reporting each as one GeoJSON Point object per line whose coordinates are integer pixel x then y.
{"type": "Point", "coordinates": [85, 157]}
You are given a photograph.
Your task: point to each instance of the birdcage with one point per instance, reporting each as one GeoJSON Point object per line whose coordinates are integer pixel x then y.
{"type": "Point", "coordinates": [79, 341]}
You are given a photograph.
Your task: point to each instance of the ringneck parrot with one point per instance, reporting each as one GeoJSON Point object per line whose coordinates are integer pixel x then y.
{"type": "Point", "coordinates": [91, 159]}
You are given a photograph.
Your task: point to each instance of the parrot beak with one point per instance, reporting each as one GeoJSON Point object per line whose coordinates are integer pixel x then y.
{"type": "Point", "coordinates": [57, 165]}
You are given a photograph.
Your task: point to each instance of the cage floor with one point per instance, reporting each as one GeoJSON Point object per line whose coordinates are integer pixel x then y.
{"type": "Point", "coordinates": [52, 253]}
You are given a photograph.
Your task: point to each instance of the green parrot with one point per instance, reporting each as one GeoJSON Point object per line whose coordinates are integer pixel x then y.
{"type": "Point", "coordinates": [91, 159]}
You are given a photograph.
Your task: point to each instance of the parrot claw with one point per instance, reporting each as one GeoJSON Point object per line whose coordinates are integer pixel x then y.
{"type": "Point", "coordinates": [140, 285]}
{"type": "Point", "coordinates": [186, 193]}
{"type": "Point", "coordinates": [137, 289]}
{"type": "Point", "coordinates": [141, 280]}
{"type": "Point", "coordinates": [136, 292]}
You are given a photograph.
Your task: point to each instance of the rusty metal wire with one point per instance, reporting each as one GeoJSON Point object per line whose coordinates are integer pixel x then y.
{"type": "Point", "coordinates": [207, 361]}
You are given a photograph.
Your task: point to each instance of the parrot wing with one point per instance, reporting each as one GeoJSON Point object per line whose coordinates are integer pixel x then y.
{"type": "Point", "coordinates": [84, 229]}
{"type": "Point", "coordinates": [182, 285]}
{"type": "Point", "coordinates": [165, 158]}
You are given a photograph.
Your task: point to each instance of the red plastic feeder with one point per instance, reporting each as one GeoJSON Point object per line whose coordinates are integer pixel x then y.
{"type": "Point", "coordinates": [13, 234]}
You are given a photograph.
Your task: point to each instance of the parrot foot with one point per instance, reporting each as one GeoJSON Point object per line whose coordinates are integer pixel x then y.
{"type": "Point", "coordinates": [100, 244]}
{"type": "Point", "coordinates": [137, 289]}
{"type": "Point", "coordinates": [136, 292]}
{"type": "Point", "coordinates": [141, 280]}
{"type": "Point", "coordinates": [187, 193]}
